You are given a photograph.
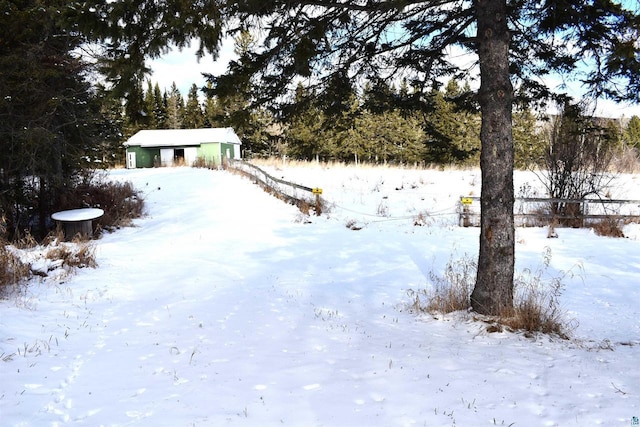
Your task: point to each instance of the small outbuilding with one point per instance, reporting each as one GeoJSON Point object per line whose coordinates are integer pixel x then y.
{"type": "Point", "coordinates": [173, 147]}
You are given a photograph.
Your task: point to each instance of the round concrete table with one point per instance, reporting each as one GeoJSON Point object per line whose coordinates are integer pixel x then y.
{"type": "Point", "coordinates": [77, 221]}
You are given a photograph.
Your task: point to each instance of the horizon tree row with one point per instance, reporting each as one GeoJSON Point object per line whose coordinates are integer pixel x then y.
{"type": "Point", "coordinates": [381, 125]}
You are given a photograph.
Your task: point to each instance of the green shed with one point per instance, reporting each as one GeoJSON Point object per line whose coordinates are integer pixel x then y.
{"type": "Point", "coordinates": [174, 147]}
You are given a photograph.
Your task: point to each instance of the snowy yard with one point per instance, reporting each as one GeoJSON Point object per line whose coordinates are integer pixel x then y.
{"type": "Point", "coordinates": [225, 307]}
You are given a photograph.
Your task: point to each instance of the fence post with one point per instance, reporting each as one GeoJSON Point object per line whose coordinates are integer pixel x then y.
{"type": "Point", "coordinates": [318, 192]}
{"type": "Point", "coordinates": [465, 219]}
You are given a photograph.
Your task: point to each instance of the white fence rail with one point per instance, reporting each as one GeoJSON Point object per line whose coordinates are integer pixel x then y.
{"type": "Point", "coordinates": [534, 211]}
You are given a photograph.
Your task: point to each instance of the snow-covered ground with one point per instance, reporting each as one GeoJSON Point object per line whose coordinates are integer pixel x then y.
{"type": "Point", "coordinates": [224, 306]}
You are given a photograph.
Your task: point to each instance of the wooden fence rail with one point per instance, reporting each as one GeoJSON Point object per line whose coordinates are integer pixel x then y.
{"type": "Point", "coordinates": [536, 211]}
{"type": "Point", "coordinates": [296, 194]}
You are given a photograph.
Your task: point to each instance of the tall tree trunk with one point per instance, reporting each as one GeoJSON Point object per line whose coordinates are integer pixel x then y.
{"type": "Point", "coordinates": [493, 292]}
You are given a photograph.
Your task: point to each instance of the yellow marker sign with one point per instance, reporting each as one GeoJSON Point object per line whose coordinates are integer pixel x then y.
{"type": "Point", "coordinates": [466, 200]}
{"type": "Point", "coordinates": [316, 190]}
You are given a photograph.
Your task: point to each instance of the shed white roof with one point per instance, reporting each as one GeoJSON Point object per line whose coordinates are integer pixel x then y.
{"type": "Point", "coordinates": [179, 137]}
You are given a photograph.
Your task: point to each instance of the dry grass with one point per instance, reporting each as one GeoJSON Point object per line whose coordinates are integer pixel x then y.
{"type": "Point", "coordinates": [203, 163]}
{"type": "Point", "coordinates": [537, 312]}
{"type": "Point", "coordinates": [12, 270]}
{"type": "Point", "coordinates": [26, 241]}
{"type": "Point", "coordinates": [304, 207]}
{"type": "Point", "coordinates": [79, 254]}
{"type": "Point", "coordinates": [383, 209]}
{"type": "Point", "coordinates": [278, 163]}
{"type": "Point", "coordinates": [608, 227]}
{"type": "Point", "coordinates": [626, 160]}
{"type": "Point", "coordinates": [536, 300]}
{"type": "Point", "coordinates": [450, 292]}
{"type": "Point", "coordinates": [318, 206]}
{"type": "Point", "coordinates": [537, 303]}
{"type": "Point", "coordinates": [422, 219]}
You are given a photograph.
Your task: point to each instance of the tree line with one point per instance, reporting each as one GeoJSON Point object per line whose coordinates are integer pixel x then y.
{"type": "Point", "coordinates": [377, 125]}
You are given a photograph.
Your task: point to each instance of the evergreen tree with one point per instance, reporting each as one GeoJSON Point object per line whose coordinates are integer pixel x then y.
{"type": "Point", "coordinates": [379, 96]}
{"type": "Point", "coordinates": [410, 138]}
{"type": "Point", "coordinates": [632, 132]}
{"type": "Point", "coordinates": [385, 129]}
{"type": "Point", "coordinates": [175, 108]}
{"type": "Point", "coordinates": [193, 116]}
{"type": "Point", "coordinates": [148, 107]}
{"type": "Point", "coordinates": [388, 137]}
{"type": "Point", "coordinates": [132, 32]}
{"type": "Point", "coordinates": [612, 134]}
{"type": "Point", "coordinates": [235, 108]}
{"type": "Point", "coordinates": [47, 111]}
{"type": "Point", "coordinates": [528, 140]}
{"type": "Point", "coordinates": [255, 132]}
{"type": "Point", "coordinates": [212, 110]}
{"type": "Point", "coordinates": [135, 116]}
{"type": "Point", "coordinates": [454, 132]}
{"type": "Point", "coordinates": [159, 108]}
{"type": "Point", "coordinates": [109, 129]}
{"type": "Point", "coordinates": [304, 135]}
{"type": "Point", "coordinates": [338, 129]}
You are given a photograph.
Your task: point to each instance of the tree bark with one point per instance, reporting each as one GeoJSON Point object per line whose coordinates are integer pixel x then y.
{"type": "Point", "coordinates": [493, 292]}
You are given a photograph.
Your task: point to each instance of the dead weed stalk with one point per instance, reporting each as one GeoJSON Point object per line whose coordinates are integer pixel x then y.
{"type": "Point", "coordinates": [536, 308]}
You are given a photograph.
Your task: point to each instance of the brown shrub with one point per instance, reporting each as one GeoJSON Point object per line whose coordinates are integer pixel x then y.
{"type": "Point", "coordinates": [84, 257]}
{"type": "Point", "coordinates": [304, 207]}
{"type": "Point", "coordinates": [54, 236]}
{"type": "Point", "coordinates": [608, 227]}
{"type": "Point", "coordinates": [537, 302]}
{"type": "Point", "coordinates": [627, 160]}
{"type": "Point", "coordinates": [120, 201]}
{"type": "Point", "coordinates": [12, 269]}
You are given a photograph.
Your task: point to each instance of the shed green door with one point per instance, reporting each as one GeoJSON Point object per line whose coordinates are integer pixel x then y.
{"type": "Point", "coordinates": [143, 156]}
